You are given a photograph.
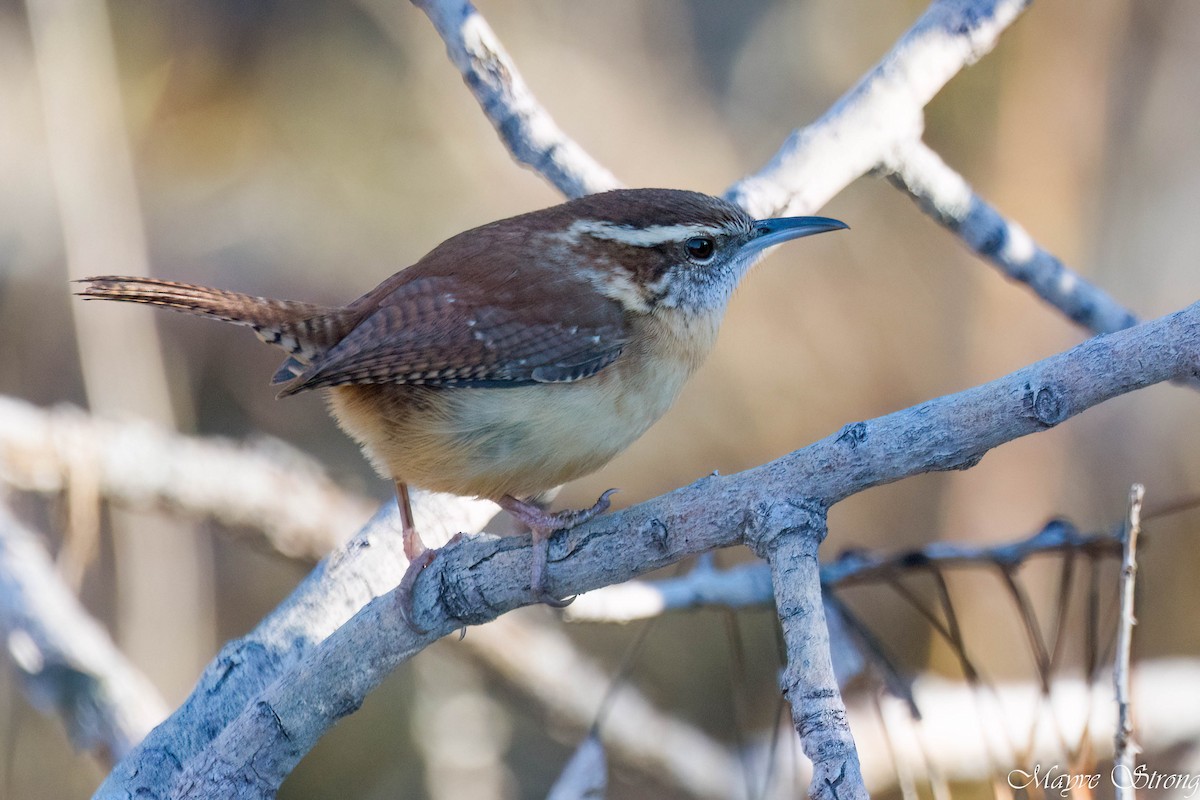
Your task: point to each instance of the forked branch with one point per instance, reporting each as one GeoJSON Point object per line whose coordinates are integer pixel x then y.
{"type": "Point", "coordinates": [482, 576]}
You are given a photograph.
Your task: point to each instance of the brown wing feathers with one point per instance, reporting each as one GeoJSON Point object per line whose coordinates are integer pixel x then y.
{"type": "Point", "coordinates": [436, 331]}
{"type": "Point", "coordinates": [433, 330]}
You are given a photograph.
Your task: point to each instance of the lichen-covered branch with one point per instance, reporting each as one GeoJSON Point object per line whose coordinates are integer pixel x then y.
{"type": "Point", "coordinates": [68, 665]}
{"type": "Point", "coordinates": [481, 577]}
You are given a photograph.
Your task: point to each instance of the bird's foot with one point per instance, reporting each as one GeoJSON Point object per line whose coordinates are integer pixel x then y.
{"type": "Point", "coordinates": [419, 557]}
{"type": "Point", "coordinates": [404, 592]}
{"type": "Point", "coordinates": [542, 524]}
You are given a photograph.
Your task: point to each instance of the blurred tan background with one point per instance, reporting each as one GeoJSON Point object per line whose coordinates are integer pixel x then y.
{"type": "Point", "coordinates": [309, 149]}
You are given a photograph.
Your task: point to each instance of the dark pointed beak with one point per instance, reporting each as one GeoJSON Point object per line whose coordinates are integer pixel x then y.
{"type": "Point", "coordinates": [770, 232]}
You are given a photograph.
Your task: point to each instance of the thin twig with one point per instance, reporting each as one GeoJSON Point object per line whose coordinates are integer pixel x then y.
{"type": "Point", "coordinates": [1029, 621]}
{"type": "Point", "coordinates": [572, 688]}
{"type": "Point", "coordinates": [1125, 749]}
{"type": "Point", "coordinates": [749, 585]}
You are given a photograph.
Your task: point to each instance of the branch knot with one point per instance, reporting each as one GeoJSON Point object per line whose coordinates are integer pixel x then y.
{"type": "Point", "coordinates": [766, 521]}
{"type": "Point", "coordinates": [1047, 403]}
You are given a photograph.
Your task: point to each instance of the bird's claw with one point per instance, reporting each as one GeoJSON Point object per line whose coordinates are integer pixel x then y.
{"type": "Point", "coordinates": [555, 602]}
{"type": "Point", "coordinates": [404, 592]}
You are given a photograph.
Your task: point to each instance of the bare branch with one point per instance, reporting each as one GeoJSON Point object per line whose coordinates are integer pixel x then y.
{"type": "Point", "coordinates": [1125, 750]}
{"type": "Point", "coordinates": [366, 566]}
{"type": "Point", "coordinates": [473, 582]}
{"type": "Point", "coordinates": [525, 127]}
{"type": "Point", "coordinates": [788, 536]}
{"type": "Point", "coordinates": [742, 586]}
{"type": "Point", "coordinates": [749, 585]}
{"type": "Point", "coordinates": [481, 577]}
{"type": "Point", "coordinates": [67, 663]}
{"type": "Point", "coordinates": [883, 111]}
{"type": "Point", "coordinates": [268, 486]}
{"type": "Point", "coordinates": [944, 195]}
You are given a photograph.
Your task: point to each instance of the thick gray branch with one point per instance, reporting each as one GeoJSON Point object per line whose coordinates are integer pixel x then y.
{"type": "Point", "coordinates": [67, 663]}
{"type": "Point", "coordinates": [482, 576]}
{"type": "Point", "coordinates": [525, 127]}
{"type": "Point", "coordinates": [365, 567]}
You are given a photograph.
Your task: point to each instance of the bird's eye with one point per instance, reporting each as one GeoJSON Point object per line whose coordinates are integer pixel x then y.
{"type": "Point", "coordinates": [700, 248]}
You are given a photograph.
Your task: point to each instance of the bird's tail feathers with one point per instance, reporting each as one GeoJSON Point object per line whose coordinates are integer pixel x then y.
{"type": "Point", "coordinates": [303, 329]}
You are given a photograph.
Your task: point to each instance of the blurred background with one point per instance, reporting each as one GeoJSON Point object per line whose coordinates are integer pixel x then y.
{"type": "Point", "coordinates": [308, 149]}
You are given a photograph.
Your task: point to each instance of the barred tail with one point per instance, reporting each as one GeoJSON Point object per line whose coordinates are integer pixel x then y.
{"type": "Point", "coordinates": [303, 329]}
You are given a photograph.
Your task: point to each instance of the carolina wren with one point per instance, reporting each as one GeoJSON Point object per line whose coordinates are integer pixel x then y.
{"type": "Point", "coordinates": [515, 356]}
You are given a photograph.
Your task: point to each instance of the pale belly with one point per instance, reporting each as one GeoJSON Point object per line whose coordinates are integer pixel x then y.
{"type": "Point", "coordinates": [491, 442]}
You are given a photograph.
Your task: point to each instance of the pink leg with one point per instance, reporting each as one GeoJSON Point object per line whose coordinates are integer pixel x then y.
{"type": "Point", "coordinates": [413, 546]}
{"type": "Point", "coordinates": [419, 557]}
{"type": "Point", "coordinates": [542, 524]}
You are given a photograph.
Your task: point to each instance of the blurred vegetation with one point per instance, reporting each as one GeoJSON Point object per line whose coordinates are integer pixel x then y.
{"type": "Point", "coordinates": [308, 149]}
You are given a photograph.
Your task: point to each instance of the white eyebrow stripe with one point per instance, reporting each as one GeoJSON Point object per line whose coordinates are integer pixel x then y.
{"type": "Point", "coordinates": [643, 237]}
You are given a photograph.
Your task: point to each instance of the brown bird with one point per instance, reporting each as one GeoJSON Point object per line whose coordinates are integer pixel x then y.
{"type": "Point", "coordinates": [515, 356]}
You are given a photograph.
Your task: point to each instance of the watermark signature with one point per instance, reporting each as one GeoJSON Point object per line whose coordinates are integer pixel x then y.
{"type": "Point", "coordinates": [1055, 779]}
